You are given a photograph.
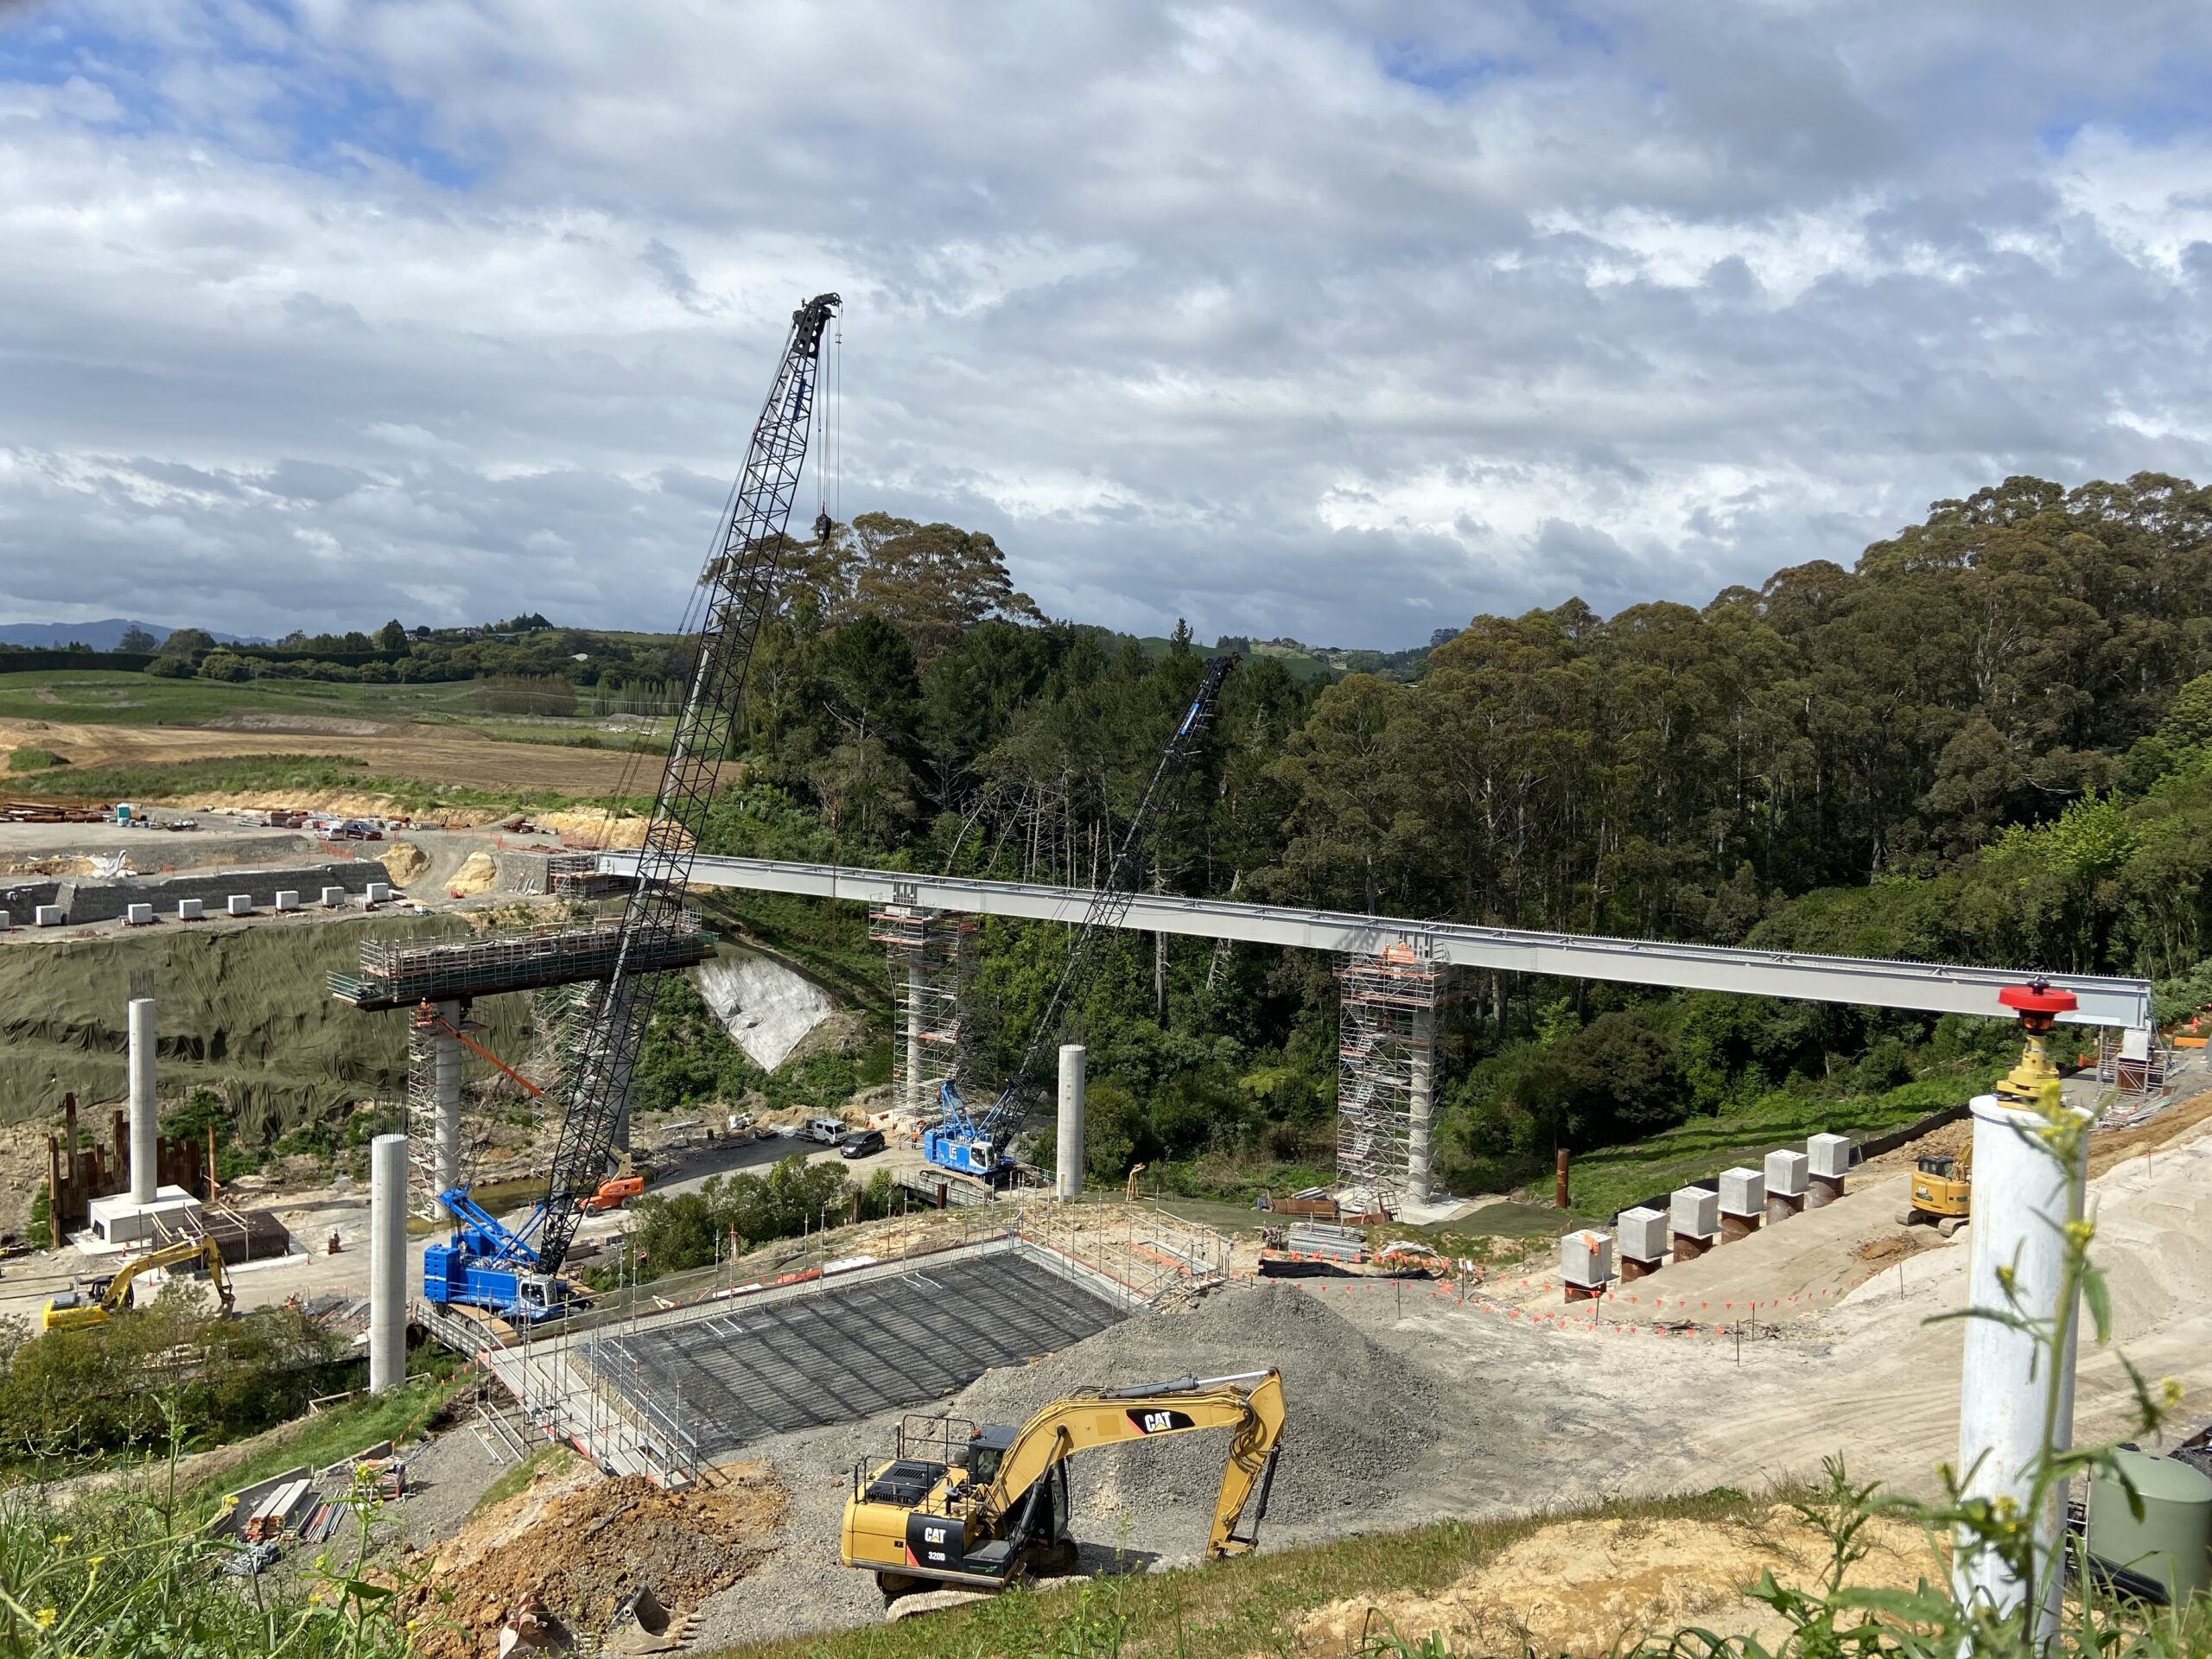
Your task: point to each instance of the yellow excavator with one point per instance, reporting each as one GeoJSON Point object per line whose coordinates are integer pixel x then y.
{"type": "Point", "coordinates": [97, 1302]}
{"type": "Point", "coordinates": [977, 1506]}
{"type": "Point", "coordinates": [1942, 1185]}
{"type": "Point", "coordinates": [1943, 1192]}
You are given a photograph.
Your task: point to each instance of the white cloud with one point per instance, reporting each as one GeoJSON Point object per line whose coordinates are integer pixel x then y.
{"type": "Point", "coordinates": [1341, 320]}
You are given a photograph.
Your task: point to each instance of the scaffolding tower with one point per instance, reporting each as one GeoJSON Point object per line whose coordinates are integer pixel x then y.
{"type": "Point", "coordinates": [932, 955]}
{"type": "Point", "coordinates": [434, 1114]}
{"type": "Point", "coordinates": [1386, 1075]}
{"type": "Point", "coordinates": [445, 1138]}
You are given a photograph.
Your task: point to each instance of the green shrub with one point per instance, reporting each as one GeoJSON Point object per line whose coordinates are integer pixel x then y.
{"type": "Point", "coordinates": [28, 758]}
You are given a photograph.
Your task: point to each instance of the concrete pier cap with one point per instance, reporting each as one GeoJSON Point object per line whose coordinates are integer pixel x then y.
{"type": "Point", "coordinates": [1694, 1217]}
{"type": "Point", "coordinates": [1585, 1262]}
{"type": "Point", "coordinates": [1827, 1158]}
{"type": "Point", "coordinates": [1642, 1239]}
{"type": "Point", "coordinates": [1742, 1202]}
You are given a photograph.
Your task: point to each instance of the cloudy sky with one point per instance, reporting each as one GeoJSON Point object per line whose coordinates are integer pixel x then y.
{"type": "Point", "coordinates": [1344, 321]}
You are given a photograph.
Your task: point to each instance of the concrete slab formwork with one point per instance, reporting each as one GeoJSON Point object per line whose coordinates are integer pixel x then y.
{"type": "Point", "coordinates": [843, 1353]}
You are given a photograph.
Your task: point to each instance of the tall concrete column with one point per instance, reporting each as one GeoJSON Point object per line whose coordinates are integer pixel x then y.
{"type": "Point", "coordinates": [445, 1128]}
{"type": "Point", "coordinates": [917, 981]}
{"type": "Point", "coordinates": [1423, 1052]}
{"type": "Point", "coordinates": [2009, 1389]}
{"type": "Point", "coordinates": [144, 1122]}
{"type": "Point", "coordinates": [1068, 1174]}
{"type": "Point", "coordinates": [387, 1262]}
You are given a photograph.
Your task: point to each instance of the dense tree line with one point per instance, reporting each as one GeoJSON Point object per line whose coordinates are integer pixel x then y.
{"type": "Point", "coordinates": [1986, 741]}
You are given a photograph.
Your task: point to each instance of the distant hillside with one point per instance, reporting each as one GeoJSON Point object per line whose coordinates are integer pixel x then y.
{"type": "Point", "coordinates": [104, 635]}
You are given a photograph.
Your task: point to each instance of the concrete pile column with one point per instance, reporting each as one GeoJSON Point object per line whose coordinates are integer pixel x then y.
{"type": "Point", "coordinates": [144, 1117]}
{"type": "Point", "coordinates": [1586, 1264]}
{"type": "Point", "coordinates": [2022, 1198]}
{"type": "Point", "coordinates": [1423, 1048]}
{"type": "Point", "coordinates": [918, 1102]}
{"type": "Point", "coordinates": [1743, 1203]}
{"type": "Point", "coordinates": [1785, 1184]}
{"type": "Point", "coordinates": [387, 1262]}
{"type": "Point", "coordinates": [1828, 1158]}
{"type": "Point", "coordinates": [445, 1127]}
{"type": "Point", "coordinates": [1068, 1176]}
{"type": "Point", "coordinates": [1694, 1217]}
{"type": "Point", "coordinates": [1643, 1242]}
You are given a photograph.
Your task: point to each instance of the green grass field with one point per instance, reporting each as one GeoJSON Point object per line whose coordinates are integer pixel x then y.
{"type": "Point", "coordinates": [106, 697]}
{"type": "Point", "coordinates": [1606, 1181]}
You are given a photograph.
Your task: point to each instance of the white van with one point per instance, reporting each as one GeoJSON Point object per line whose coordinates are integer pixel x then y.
{"type": "Point", "coordinates": [828, 1130]}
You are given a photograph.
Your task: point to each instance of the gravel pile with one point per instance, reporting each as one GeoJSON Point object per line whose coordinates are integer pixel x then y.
{"type": "Point", "coordinates": [1357, 1416]}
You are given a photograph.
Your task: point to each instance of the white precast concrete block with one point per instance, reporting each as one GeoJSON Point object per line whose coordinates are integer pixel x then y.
{"type": "Point", "coordinates": [1644, 1234]}
{"type": "Point", "coordinates": [1694, 1212]}
{"type": "Point", "coordinates": [6, 921]}
{"type": "Point", "coordinates": [288, 899]}
{"type": "Point", "coordinates": [137, 915]}
{"type": "Point", "coordinates": [1743, 1192]}
{"type": "Point", "coordinates": [1785, 1174]}
{"type": "Point", "coordinates": [46, 916]}
{"type": "Point", "coordinates": [1586, 1258]}
{"type": "Point", "coordinates": [334, 898]}
{"type": "Point", "coordinates": [241, 904]}
{"type": "Point", "coordinates": [190, 910]}
{"type": "Point", "coordinates": [1829, 1155]}
{"type": "Point", "coordinates": [376, 893]}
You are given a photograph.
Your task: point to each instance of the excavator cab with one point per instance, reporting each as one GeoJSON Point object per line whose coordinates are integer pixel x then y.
{"type": "Point", "coordinates": [1942, 1193]}
{"type": "Point", "coordinates": [977, 1506]}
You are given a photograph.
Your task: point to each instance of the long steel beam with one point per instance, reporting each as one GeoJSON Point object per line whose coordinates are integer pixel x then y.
{"type": "Point", "coordinates": [1927, 986]}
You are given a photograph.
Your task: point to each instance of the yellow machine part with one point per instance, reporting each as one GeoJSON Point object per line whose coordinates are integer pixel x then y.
{"type": "Point", "coordinates": [73, 1309]}
{"type": "Point", "coordinates": [952, 1528]}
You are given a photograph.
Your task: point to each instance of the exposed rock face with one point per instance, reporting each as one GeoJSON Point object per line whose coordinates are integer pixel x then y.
{"type": "Point", "coordinates": [767, 1007]}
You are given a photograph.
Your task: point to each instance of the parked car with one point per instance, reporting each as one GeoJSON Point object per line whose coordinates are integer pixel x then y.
{"type": "Point", "coordinates": [828, 1130]}
{"type": "Point", "coordinates": [863, 1143]}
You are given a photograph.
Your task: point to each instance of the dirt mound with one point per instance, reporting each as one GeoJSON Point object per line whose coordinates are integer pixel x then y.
{"type": "Point", "coordinates": [481, 873]}
{"type": "Point", "coordinates": [1897, 1246]}
{"type": "Point", "coordinates": [1596, 1586]}
{"type": "Point", "coordinates": [254, 720]}
{"type": "Point", "coordinates": [1356, 1414]}
{"type": "Point", "coordinates": [580, 1542]}
{"type": "Point", "coordinates": [405, 861]}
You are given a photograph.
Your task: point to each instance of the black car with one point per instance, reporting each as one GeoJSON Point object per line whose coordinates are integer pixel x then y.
{"type": "Point", "coordinates": [862, 1142]}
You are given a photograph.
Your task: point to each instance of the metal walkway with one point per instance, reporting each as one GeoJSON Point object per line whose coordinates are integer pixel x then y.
{"type": "Point", "coordinates": [750, 1371]}
{"type": "Point", "coordinates": [1932, 987]}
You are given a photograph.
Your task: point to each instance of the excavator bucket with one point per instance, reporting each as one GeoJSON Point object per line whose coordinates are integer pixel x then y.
{"type": "Point", "coordinates": [641, 1625]}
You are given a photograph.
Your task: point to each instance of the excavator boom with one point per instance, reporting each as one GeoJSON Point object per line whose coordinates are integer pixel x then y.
{"type": "Point", "coordinates": [70, 1308]}
{"type": "Point", "coordinates": [979, 1513]}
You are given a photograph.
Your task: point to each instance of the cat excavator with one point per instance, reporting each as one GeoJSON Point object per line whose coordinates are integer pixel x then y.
{"type": "Point", "coordinates": [959, 1504]}
{"type": "Point", "coordinates": [1943, 1184]}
